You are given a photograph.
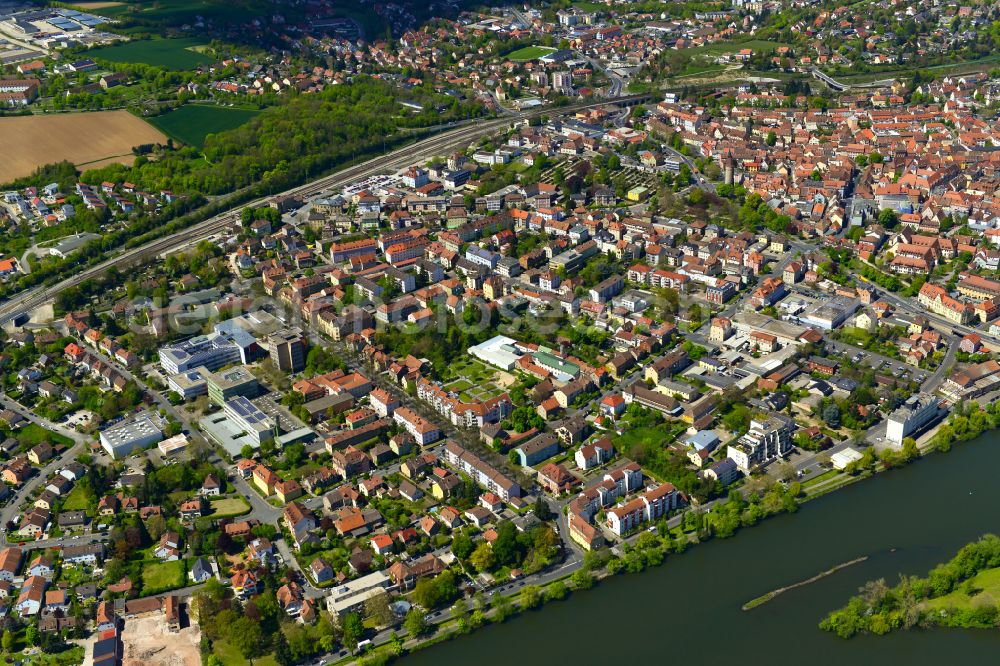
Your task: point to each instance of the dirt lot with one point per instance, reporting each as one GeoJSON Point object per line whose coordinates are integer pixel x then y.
{"type": "Point", "coordinates": [92, 139]}
{"type": "Point", "coordinates": [148, 642]}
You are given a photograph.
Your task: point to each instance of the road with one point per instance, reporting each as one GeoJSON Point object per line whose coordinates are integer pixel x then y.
{"type": "Point", "coordinates": [14, 505]}
{"type": "Point", "coordinates": [445, 141]}
{"type": "Point", "coordinates": [828, 80]}
{"type": "Point", "coordinates": [310, 590]}
{"type": "Point", "coordinates": [943, 324]}
{"type": "Point", "coordinates": [510, 589]}
{"type": "Point", "coordinates": [259, 508]}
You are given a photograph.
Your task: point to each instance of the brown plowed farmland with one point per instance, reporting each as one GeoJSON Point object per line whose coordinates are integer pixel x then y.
{"type": "Point", "coordinates": [85, 139]}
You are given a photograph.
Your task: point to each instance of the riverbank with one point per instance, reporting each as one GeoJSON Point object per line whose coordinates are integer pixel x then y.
{"type": "Point", "coordinates": [606, 575]}
{"type": "Point", "coordinates": [906, 524]}
{"type": "Point", "coordinates": [962, 592]}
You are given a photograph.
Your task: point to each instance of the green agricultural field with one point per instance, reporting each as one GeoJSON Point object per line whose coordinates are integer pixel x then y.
{"type": "Point", "coordinates": [530, 53]}
{"type": "Point", "coordinates": [177, 12]}
{"type": "Point", "coordinates": [191, 123]}
{"type": "Point", "coordinates": [162, 576]}
{"type": "Point", "coordinates": [174, 54]}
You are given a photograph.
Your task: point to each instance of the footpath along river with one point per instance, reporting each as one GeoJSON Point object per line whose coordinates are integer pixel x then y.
{"type": "Point", "coordinates": [688, 611]}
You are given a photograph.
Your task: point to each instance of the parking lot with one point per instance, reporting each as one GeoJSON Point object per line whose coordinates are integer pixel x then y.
{"type": "Point", "coordinates": [282, 416]}
{"type": "Point", "coordinates": [882, 364]}
{"type": "Point", "coordinates": [79, 418]}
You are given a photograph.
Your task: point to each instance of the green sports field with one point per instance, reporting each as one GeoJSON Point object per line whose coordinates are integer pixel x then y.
{"type": "Point", "coordinates": [174, 54]}
{"type": "Point", "coordinates": [191, 123]}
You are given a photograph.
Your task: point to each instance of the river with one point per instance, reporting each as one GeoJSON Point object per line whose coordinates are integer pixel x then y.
{"type": "Point", "coordinates": [688, 611]}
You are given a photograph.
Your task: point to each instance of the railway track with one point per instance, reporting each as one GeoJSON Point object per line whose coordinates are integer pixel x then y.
{"type": "Point", "coordinates": [423, 149]}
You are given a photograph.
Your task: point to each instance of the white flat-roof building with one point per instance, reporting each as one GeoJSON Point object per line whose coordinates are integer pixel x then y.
{"type": "Point", "coordinates": [911, 416]}
{"type": "Point", "coordinates": [499, 351]}
{"type": "Point", "coordinates": [122, 439]}
{"type": "Point", "coordinates": [173, 444]}
{"type": "Point", "coordinates": [352, 595]}
{"type": "Point", "coordinates": [832, 313]}
{"type": "Point", "coordinates": [212, 351]}
{"type": "Point", "coordinates": [250, 419]}
{"type": "Point", "coordinates": [842, 459]}
{"type": "Point", "coordinates": [189, 384]}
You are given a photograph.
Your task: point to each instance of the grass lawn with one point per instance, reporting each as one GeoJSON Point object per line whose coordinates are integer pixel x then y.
{"type": "Point", "coordinates": [470, 369]}
{"type": "Point", "coordinates": [192, 123]}
{"type": "Point", "coordinates": [74, 576]}
{"type": "Point", "coordinates": [174, 54]}
{"type": "Point", "coordinates": [530, 53]}
{"type": "Point", "coordinates": [825, 476]}
{"type": "Point", "coordinates": [481, 392]}
{"type": "Point", "coordinates": [74, 655]}
{"type": "Point", "coordinates": [986, 586]}
{"type": "Point", "coordinates": [179, 496]}
{"type": "Point", "coordinates": [459, 386]}
{"type": "Point", "coordinates": [229, 506]}
{"type": "Point", "coordinates": [662, 436]}
{"type": "Point", "coordinates": [77, 500]}
{"type": "Point", "coordinates": [33, 434]}
{"type": "Point", "coordinates": [230, 656]}
{"type": "Point", "coordinates": [162, 576]}
{"type": "Point", "coordinates": [718, 48]}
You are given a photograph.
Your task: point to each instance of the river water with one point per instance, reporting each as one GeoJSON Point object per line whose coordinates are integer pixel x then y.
{"type": "Point", "coordinates": [688, 611]}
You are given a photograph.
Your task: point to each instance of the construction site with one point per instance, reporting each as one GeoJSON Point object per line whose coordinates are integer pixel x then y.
{"type": "Point", "coordinates": [150, 641]}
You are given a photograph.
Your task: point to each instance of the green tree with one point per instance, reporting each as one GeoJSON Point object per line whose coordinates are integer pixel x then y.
{"type": "Point", "coordinates": [432, 593]}
{"type": "Point", "coordinates": [295, 454]}
{"type": "Point", "coordinates": [831, 415]}
{"type": "Point", "coordinates": [556, 591]}
{"type": "Point", "coordinates": [531, 597]}
{"type": "Point", "coordinates": [460, 613]}
{"type": "Point", "coordinates": [282, 653]}
{"type": "Point", "coordinates": [503, 608]}
{"type": "Point", "coordinates": [483, 558]}
{"type": "Point", "coordinates": [416, 623]}
{"type": "Point", "coordinates": [541, 508]}
{"type": "Point", "coordinates": [582, 579]}
{"type": "Point", "coordinates": [462, 546]}
{"type": "Point", "coordinates": [377, 608]}
{"type": "Point", "coordinates": [245, 635]}
{"type": "Point", "coordinates": [352, 629]}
